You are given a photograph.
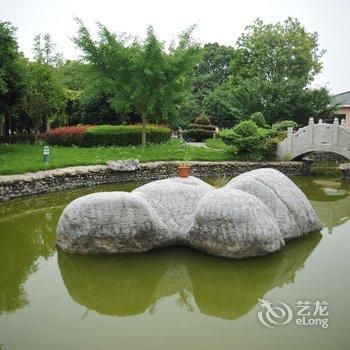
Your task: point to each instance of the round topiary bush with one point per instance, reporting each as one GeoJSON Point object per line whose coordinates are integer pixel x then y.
{"type": "Point", "coordinates": [259, 119]}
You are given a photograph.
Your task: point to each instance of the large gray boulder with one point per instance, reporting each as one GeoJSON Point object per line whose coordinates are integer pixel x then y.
{"type": "Point", "coordinates": [110, 222]}
{"type": "Point", "coordinates": [252, 215]}
{"type": "Point", "coordinates": [234, 224]}
{"type": "Point", "coordinates": [288, 204]}
{"type": "Point", "coordinates": [175, 201]}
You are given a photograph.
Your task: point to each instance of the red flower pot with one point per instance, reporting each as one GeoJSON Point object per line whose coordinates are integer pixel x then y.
{"type": "Point", "coordinates": [183, 171]}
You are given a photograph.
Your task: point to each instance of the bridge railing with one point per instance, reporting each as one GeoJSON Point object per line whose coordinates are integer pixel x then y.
{"type": "Point", "coordinates": [316, 137]}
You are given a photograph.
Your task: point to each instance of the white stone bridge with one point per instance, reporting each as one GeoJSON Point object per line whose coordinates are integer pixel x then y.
{"type": "Point", "coordinates": [333, 138]}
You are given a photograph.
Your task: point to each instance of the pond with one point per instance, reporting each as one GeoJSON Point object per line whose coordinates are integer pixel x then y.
{"type": "Point", "coordinates": [173, 298]}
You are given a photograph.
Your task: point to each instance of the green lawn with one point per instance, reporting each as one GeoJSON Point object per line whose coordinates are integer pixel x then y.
{"type": "Point", "coordinates": [217, 143]}
{"type": "Point", "coordinates": [22, 158]}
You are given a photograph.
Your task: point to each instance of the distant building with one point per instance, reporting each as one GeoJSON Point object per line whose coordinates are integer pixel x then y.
{"type": "Point", "coordinates": [344, 106]}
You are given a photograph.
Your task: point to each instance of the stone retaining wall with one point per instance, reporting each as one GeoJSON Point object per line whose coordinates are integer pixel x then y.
{"type": "Point", "coordinates": [345, 170]}
{"type": "Point", "coordinates": [13, 186]}
{"type": "Point", "coordinates": [327, 157]}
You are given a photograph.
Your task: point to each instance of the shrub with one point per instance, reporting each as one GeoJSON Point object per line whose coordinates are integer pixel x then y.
{"type": "Point", "coordinates": [120, 135]}
{"type": "Point", "coordinates": [246, 128]}
{"type": "Point", "coordinates": [270, 148]}
{"type": "Point", "coordinates": [259, 119]}
{"type": "Point", "coordinates": [18, 138]}
{"type": "Point", "coordinates": [66, 136]}
{"type": "Point", "coordinates": [202, 119]}
{"type": "Point", "coordinates": [284, 125]}
{"type": "Point", "coordinates": [200, 130]}
{"type": "Point", "coordinates": [245, 136]}
{"type": "Point", "coordinates": [197, 135]}
{"type": "Point", "coordinates": [204, 127]}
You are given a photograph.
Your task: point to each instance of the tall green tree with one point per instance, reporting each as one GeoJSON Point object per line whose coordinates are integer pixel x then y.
{"type": "Point", "coordinates": [272, 69]}
{"type": "Point", "coordinates": [45, 98]}
{"type": "Point", "coordinates": [12, 76]}
{"type": "Point", "coordinates": [143, 76]}
{"type": "Point", "coordinates": [44, 50]}
{"type": "Point", "coordinates": [73, 75]}
{"type": "Point", "coordinates": [213, 69]}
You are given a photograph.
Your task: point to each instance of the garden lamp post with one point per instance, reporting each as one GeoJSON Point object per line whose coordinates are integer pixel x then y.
{"type": "Point", "coordinates": [46, 154]}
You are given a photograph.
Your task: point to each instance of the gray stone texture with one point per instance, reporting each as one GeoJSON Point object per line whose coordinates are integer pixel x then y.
{"type": "Point", "coordinates": [252, 215]}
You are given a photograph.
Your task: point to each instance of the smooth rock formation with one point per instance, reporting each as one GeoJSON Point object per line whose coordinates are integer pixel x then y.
{"type": "Point", "coordinates": [110, 222]}
{"type": "Point", "coordinates": [288, 204]}
{"type": "Point", "coordinates": [175, 201]}
{"type": "Point", "coordinates": [234, 224]}
{"type": "Point", "coordinates": [252, 215]}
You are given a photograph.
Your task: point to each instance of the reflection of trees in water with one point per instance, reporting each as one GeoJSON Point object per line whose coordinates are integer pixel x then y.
{"type": "Point", "coordinates": [132, 284]}
{"type": "Point", "coordinates": [22, 242]}
{"type": "Point", "coordinates": [330, 199]}
{"type": "Point", "coordinates": [28, 231]}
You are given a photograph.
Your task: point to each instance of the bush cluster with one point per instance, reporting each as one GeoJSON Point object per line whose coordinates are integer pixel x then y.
{"type": "Point", "coordinates": [200, 129]}
{"type": "Point", "coordinates": [245, 136]}
{"type": "Point", "coordinates": [250, 141]}
{"type": "Point", "coordinates": [284, 125]}
{"type": "Point", "coordinates": [106, 135]}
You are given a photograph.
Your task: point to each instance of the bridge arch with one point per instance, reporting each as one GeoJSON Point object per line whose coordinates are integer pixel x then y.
{"type": "Point", "coordinates": [333, 138]}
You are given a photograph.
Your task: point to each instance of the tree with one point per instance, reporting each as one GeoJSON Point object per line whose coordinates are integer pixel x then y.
{"type": "Point", "coordinates": [44, 50]}
{"type": "Point", "coordinates": [213, 70]}
{"type": "Point", "coordinates": [143, 76]}
{"type": "Point", "coordinates": [272, 69]}
{"type": "Point", "coordinates": [219, 106]}
{"type": "Point", "coordinates": [12, 73]}
{"type": "Point", "coordinates": [45, 98]}
{"type": "Point", "coordinates": [73, 75]}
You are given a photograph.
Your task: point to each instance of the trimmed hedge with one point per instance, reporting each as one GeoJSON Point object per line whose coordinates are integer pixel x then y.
{"type": "Point", "coordinates": [66, 136]}
{"type": "Point", "coordinates": [17, 138]}
{"type": "Point", "coordinates": [120, 135]}
{"type": "Point", "coordinates": [204, 127]}
{"type": "Point", "coordinates": [106, 135]}
{"type": "Point", "coordinates": [197, 135]}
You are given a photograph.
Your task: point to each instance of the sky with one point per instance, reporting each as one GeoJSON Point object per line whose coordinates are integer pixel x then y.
{"type": "Point", "coordinates": [219, 21]}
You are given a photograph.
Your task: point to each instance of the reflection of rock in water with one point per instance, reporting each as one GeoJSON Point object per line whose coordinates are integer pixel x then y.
{"type": "Point", "coordinates": [21, 245]}
{"type": "Point", "coordinates": [121, 285]}
{"type": "Point", "coordinates": [330, 199]}
{"type": "Point", "coordinates": [230, 288]}
{"type": "Point", "coordinates": [131, 284]}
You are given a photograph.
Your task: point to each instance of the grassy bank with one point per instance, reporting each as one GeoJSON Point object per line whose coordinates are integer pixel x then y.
{"type": "Point", "coordinates": [22, 158]}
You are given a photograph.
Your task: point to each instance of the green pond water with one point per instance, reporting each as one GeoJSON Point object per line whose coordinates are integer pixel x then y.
{"type": "Point", "coordinates": [173, 298]}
